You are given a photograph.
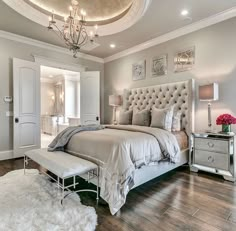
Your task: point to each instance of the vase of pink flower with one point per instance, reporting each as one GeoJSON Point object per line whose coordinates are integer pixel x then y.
{"type": "Point", "coordinates": [226, 120]}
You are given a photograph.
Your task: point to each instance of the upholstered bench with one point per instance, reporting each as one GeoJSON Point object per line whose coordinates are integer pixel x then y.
{"type": "Point", "coordinates": [64, 166]}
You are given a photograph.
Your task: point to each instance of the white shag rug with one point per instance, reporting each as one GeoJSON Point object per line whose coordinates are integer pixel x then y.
{"type": "Point", "coordinates": [30, 203]}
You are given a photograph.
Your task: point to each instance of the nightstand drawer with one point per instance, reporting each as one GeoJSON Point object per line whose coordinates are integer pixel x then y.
{"type": "Point", "coordinates": [212, 145]}
{"type": "Point", "coordinates": [211, 159]}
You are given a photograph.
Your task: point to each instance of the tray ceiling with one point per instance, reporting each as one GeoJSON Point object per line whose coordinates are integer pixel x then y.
{"type": "Point", "coordinates": [156, 19]}
{"type": "Point", "coordinates": [112, 16]}
{"type": "Point", "coordinates": [99, 11]}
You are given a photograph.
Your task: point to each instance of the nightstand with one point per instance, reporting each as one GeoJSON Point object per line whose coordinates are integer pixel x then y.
{"type": "Point", "coordinates": [213, 152]}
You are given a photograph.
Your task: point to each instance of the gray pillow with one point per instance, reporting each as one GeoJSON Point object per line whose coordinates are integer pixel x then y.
{"type": "Point", "coordinates": [162, 118]}
{"type": "Point", "coordinates": [141, 118]}
{"type": "Point", "coordinates": [125, 117]}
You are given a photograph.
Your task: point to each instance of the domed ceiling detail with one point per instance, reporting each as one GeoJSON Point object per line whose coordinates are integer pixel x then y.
{"type": "Point", "coordinates": [112, 16]}
{"type": "Point", "coordinates": [98, 11]}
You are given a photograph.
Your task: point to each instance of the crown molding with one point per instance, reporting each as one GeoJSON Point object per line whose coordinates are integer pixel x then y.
{"type": "Point", "coordinates": [217, 18]}
{"type": "Point", "coordinates": [220, 17]}
{"type": "Point", "coordinates": [37, 43]}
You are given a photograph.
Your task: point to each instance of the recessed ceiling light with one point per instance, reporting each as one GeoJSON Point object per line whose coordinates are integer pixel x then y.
{"type": "Point", "coordinates": [184, 12]}
{"type": "Point", "coordinates": [112, 45]}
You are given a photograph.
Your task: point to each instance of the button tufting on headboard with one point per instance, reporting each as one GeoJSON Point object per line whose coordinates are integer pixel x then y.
{"type": "Point", "coordinates": [164, 95]}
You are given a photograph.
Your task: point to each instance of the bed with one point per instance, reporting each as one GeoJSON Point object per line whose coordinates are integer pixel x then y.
{"type": "Point", "coordinates": [130, 155]}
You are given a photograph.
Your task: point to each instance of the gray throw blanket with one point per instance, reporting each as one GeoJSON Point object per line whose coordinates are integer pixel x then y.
{"type": "Point", "coordinates": [62, 139]}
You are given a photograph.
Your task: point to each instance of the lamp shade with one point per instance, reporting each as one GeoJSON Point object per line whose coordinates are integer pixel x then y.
{"type": "Point", "coordinates": [114, 100]}
{"type": "Point", "coordinates": [209, 92]}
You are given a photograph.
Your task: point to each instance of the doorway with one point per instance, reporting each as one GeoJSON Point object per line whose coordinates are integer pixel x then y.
{"type": "Point", "coordinates": [61, 109]}
{"type": "Point", "coordinates": [60, 102]}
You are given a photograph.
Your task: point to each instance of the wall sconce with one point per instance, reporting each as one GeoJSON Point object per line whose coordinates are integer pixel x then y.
{"type": "Point", "coordinates": [62, 97]}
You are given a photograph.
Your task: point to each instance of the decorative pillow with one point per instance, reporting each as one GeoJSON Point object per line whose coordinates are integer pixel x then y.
{"type": "Point", "coordinates": [141, 118]}
{"type": "Point", "coordinates": [125, 117]}
{"type": "Point", "coordinates": [162, 118]}
{"type": "Point", "coordinates": [176, 121]}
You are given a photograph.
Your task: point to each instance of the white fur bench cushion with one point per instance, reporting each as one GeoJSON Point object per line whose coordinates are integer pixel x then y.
{"type": "Point", "coordinates": [60, 163]}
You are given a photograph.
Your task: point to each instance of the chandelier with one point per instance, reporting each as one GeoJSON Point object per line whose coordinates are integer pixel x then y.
{"type": "Point", "coordinates": [73, 31]}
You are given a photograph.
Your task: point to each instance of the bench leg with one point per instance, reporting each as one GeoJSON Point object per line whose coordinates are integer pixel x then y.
{"type": "Point", "coordinates": [97, 184]}
{"type": "Point", "coordinates": [74, 181]}
{"type": "Point", "coordinates": [63, 188]}
{"type": "Point", "coordinates": [25, 163]}
{"type": "Point", "coordinates": [58, 186]}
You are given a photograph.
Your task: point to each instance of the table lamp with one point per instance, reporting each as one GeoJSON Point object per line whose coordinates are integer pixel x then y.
{"type": "Point", "coordinates": [115, 101]}
{"type": "Point", "coordinates": [209, 92]}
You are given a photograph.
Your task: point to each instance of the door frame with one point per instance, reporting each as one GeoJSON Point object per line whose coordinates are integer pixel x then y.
{"type": "Point", "coordinates": [46, 61]}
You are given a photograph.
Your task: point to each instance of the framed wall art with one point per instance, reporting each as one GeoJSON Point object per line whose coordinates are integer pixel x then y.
{"type": "Point", "coordinates": [159, 65]}
{"type": "Point", "coordinates": [139, 70]}
{"type": "Point", "coordinates": [184, 60]}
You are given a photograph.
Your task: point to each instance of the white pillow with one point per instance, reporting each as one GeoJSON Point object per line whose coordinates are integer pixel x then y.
{"type": "Point", "coordinates": [176, 121]}
{"type": "Point", "coordinates": [162, 118]}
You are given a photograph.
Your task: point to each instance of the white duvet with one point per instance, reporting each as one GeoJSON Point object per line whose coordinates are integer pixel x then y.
{"type": "Point", "coordinates": [118, 150]}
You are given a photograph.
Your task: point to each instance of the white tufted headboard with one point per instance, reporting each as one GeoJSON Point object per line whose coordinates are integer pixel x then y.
{"type": "Point", "coordinates": [179, 94]}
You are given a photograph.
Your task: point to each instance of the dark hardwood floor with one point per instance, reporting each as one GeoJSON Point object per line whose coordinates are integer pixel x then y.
{"type": "Point", "coordinates": [179, 200]}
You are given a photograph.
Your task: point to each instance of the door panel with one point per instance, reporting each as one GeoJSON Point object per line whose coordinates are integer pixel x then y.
{"type": "Point", "coordinates": [90, 98]}
{"type": "Point", "coordinates": [26, 90]}
{"type": "Point", "coordinates": [27, 135]}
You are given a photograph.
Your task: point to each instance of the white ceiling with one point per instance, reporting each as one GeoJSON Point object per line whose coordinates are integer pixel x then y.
{"type": "Point", "coordinates": [163, 16]}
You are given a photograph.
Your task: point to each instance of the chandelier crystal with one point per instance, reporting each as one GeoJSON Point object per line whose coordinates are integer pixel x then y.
{"type": "Point", "coordinates": [73, 32]}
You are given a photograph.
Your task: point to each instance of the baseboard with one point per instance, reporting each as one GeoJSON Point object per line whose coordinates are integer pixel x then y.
{"type": "Point", "coordinates": [6, 155]}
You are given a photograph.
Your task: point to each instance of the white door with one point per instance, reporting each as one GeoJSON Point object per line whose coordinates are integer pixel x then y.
{"type": "Point", "coordinates": [26, 90]}
{"type": "Point", "coordinates": [90, 98]}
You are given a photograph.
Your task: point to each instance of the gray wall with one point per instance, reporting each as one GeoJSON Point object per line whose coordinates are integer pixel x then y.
{"type": "Point", "coordinates": [8, 51]}
{"type": "Point", "coordinates": [215, 62]}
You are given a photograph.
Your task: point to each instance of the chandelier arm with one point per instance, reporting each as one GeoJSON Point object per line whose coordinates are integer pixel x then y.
{"type": "Point", "coordinates": [80, 29]}
{"type": "Point", "coordinates": [84, 38]}
{"type": "Point", "coordinates": [61, 35]}
{"type": "Point", "coordinates": [71, 35]}
{"type": "Point", "coordinates": [60, 32]}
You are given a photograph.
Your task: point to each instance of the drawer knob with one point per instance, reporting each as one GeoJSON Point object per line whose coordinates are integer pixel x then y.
{"type": "Point", "coordinates": [211, 159]}
{"type": "Point", "coordinates": [211, 145]}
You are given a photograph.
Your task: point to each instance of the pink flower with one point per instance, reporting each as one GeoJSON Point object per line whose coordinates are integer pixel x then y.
{"type": "Point", "coordinates": [225, 119]}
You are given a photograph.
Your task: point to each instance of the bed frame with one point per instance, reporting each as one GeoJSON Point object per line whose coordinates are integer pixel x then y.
{"type": "Point", "coordinates": [181, 94]}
